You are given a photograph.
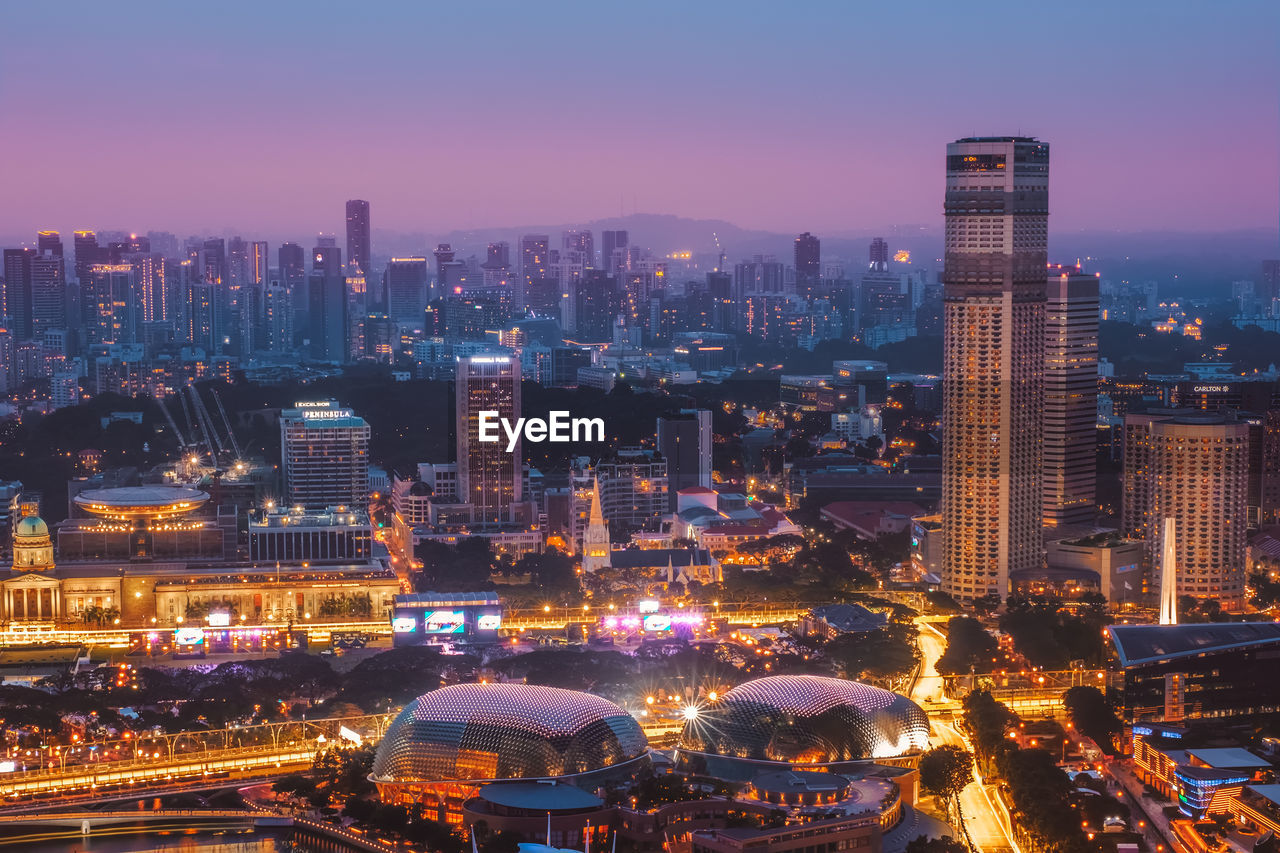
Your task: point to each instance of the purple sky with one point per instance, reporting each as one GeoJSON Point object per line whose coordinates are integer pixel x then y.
{"type": "Point", "coordinates": [830, 117]}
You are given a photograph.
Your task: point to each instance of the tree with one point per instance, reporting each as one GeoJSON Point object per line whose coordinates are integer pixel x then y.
{"type": "Point", "coordinates": [1092, 715]}
{"type": "Point", "coordinates": [945, 844]}
{"type": "Point", "coordinates": [970, 648]}
{"type": "Point", "coordinates": [946, 771]}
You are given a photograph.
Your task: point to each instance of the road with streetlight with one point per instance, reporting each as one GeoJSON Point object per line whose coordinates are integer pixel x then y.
{"type": "Point", "coordinates": [985, 816]}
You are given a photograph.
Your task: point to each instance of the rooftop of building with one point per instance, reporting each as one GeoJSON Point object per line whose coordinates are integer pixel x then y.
{"type": "Point", "coordinates": [539, 796]}
{"type": "Point", "coordinates": [850, 618]}
{"type": "Point", "coordinates": [334, 516]}
{"type": "Point", "coordinates": [1136, 644]}
{"type": "Point", "coordinates": [432, 599]}
{"type": "Point", "coordinates": [1232, 758]}
{"type": "Point", "coordinates": [646, 558]}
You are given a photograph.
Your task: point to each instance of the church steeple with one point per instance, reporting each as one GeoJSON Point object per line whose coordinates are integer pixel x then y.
{"type": "Point", "coordinates": [595, 539]}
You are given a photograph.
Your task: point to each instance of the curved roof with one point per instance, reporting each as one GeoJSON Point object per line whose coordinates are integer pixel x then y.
{"type": "Point", "coordinates": [539, 796]}
{"type": "Point", "coordinates": [808, 720]}
{"type": "Point", "coordinates": [140, 500]}
{"type": "Point", "coordinates": [32, 526]}
{"type": "Point", "coordinates": [1137, 644]}
{"type": "Point", "coordinates": [505, 731]}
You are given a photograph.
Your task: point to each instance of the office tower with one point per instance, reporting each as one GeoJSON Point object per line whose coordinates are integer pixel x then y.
{"type": "Point", "coordinates": [997, 206]}
{"type": "Point", "coordinates": [878, 255]}
{"type": "Point", "coordinates": [580, 241]}
{"type": "Point", "coordinates": [111, 303]}
{"type": "Point", "coordinates": [808, 259]}
{"type": "Point", "coordinates": [324, 451]}
{"type": "Point", "coordinates": [48, 291]}
{"type": "Point", "coordinates": [1192, 467]}
{"type": "Point", "coordinates": [613, 251]}
{"type": "Point", "coordinates": [292, 261]}
{"type": "Point", "coordinates": [17, 291]}
{"type": "Point", "coordinates": [449, 272]}
{"type": "Point", "coordinates": [684, 440]}
{"type": "Point", "coordinates": [489, 477]}
{"type": "Point", "coordinates": [598, 303]}
{"type": "Point", "coordinates": [721, 292]}
{"type": "Point", "coordinates": [358, 241]}
{"type": "Point", "coordinates": [1070, 396]}
{"type": "Point", "coordinates": [406, 289]}
{"type": "Point", "coordinates": [498, 256]}
{"type": "Point", "coordinates": [1270, 288]}
{"type": "Point", "coordinates": [213, 260]}
{"type": "Point", "coordinates": [49, 243]}
{"type": "Point", "coordinates": [200, 314]}
{"type": "Point", "coordinates": [534, 262]}
{"type": "Point", "coordinates": [327, 310]}
{"type": "Point", "coordinates": [762, 274]}
{"type": "Point", "coordinates": [88, 253]}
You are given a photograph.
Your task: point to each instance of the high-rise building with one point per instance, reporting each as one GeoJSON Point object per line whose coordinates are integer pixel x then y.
{"type": "Point", "coordinates": [535, 263]}
{"type": "Point", "coordinates": [489, 477]}
{"type": "Point", "coordinates": [613, 251]}
{"type": "Point", "coordinates": [17, 291]}
{"type": "Point", "coordinates": [325, 455]}
{"type": "Point", "coordinates": [48, 292]}
{"type": "Point", "coordinates": [684, 440]}
{"type": "Point", "coordinates": [358, 241]}
{"type": "Point", "coordinates": [997, 207]}
{"type": "Point", "coordinates": [292, 261]}
{"type": "Point", "coordinates": [583, 242]}
{"type": "Point", "coordinates": [278, 317]}
{"type": "Point", "coordinates": [327, 309]}
{"type": "Point", "coordinates": [449, 271]}
{"type": "Point", "coordinates": [406, 289]}
{"type": "Point", "coordinates": [87, 252]}
{"type": "Point", "coordinates": [808, 260]}
{"type": "Point", "coordinates": [878, 254]}
{"type": "Point", "coordinates": [111, 304]}
{"type": "Point", "coordinates": [1270, 288]}
{"type": "Point", "coordinates": [49, 242]}
{"type": "Point", "coordinates": [1192, 467]}
{"type": "Point", "coordinates": [259, 260]}
{"type": "Point", "coordinates": [1070, 396]}
{"type": "Point", "coordinates": [498, 256]}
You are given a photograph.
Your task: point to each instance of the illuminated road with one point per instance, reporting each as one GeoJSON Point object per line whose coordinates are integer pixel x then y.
{"type": "Point", "coordinates": [985, 818]}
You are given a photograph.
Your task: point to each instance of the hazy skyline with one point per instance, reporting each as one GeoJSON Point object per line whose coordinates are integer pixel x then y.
{"type": "Point", "coordinates": [829, 117]}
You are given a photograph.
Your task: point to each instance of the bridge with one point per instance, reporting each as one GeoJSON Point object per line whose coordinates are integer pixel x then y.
{"type": "Point", "coordinates": [89, 771]}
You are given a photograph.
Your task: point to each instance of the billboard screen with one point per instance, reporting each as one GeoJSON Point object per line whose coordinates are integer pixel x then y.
{"type": "Point", "coordinates": [445, 622]}
{"type": "Point", "coordinates": [404, 625]}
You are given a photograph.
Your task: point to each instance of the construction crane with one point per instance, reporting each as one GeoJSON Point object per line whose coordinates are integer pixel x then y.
{"type": "Point", "coordinates": [719, 252]}
{"type": "Point", "coordinates": [191, 423]}
{"type": "Point", "coordinates": [173, 425]}
{"type": "Point", "coordinates": [231, 436]}
{"type": "Point", "coordinates": [206, 423]}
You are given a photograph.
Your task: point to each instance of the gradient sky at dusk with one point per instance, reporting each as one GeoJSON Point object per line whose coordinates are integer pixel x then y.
{"type": "Point", "coordinates": [825, 116]}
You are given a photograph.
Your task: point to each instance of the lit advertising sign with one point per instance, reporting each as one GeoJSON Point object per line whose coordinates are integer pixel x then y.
{"type": "Point", "coordinates": [1211, 389]}
{"type": "Point", "coordinates": [219, 620]}
{"type": "Point", "coordinates": [313, 404]}
{"type": "Point", "coordinates": [404, 625]}
{"type": "Point", "coordinates": [649, 605]}
{"type": "Point", "coordinates": [489, 622]}
{"type": "Point", "coordinates": [657, 622]}
{"type": "Point", "coordinates": [326, 414]}
{"type": "Point", "coordinates": [189, 636]}
{"type": "Point", "coordinates": [445, 622]}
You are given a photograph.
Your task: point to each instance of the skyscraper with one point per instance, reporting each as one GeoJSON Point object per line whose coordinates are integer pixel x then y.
{"type": "Point", "coordinates": [358, 242]}
{"type": "Point", "coordinates": [808, 260]}
{"type": "Point", "coordinates": [17, 291]}
{"type": "Point", "coordinates": [878, 254]}
{"type": "Point", "coordinates": [580, 241]}
{"type": "Point", "coordinates": [613, 251]}
{"type": "Point", "coordinates": [1070, 396]}
{"type": "Point", "coordinates": [49, 242]}
{"type": "Point", "coordinates": [87, 252]}
{"type": "Point", "coordinates": [325, 455]}
{"type": "Point", "coordinates": [534, 265]}
{"type": "Point", "coordinates": [1192, 467]}
{"type": "Point", "coordinates": [489, 478]}
{"type": "Point", "coordinates": [997, 206]}
{"type": "Point", "coordinates": [406, 289]}
{"type": "Point", "coordinates": [327, 310]}
{"type": "Point", "coordinates": [684, 440]}
{"type": "Point", "coordinates": [111, 303]}
{"type": "Point", "coordinates": [48, 292]}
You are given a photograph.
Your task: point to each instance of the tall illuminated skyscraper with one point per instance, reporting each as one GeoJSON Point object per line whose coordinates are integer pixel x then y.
{"type": "Point", "coordinates": [327, 306]}
{"type": "Point", "coordinates": [997, 208]}
{"type": "Point", "coordinates": [358, 242]}
{"type": "Point", "coordinates": [489, 477]}
{"type": "Point", "coordinates": [1070, 396]}
{"type": "Point", "coordinates": [406, 282]}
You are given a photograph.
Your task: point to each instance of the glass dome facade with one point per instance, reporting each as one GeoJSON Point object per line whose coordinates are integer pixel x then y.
{"type": "Point", "coordinates": [505, 731]}
{"type": "Point", "coordinates": [804, 720]}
